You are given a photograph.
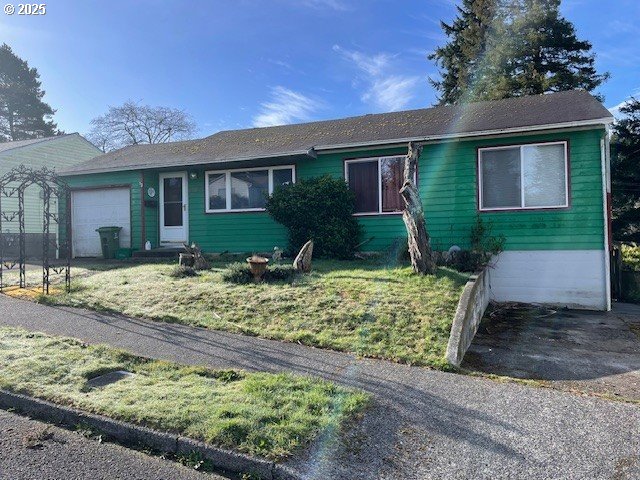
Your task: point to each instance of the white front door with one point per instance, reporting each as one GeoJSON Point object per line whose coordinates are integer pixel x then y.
{"type": "Point", "coordinates": [174, 217]}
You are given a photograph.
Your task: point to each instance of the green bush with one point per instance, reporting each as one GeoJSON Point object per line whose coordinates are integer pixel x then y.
{"type": "Point", "coordinates": [240, 273]}
{"type": "Point", "coordinates": [237, 273]}
{"type": "Point", "coordinates": [631, 256]}
{"type": "Point", "coordinates": [320, 209]}
{"type": "Point", "coordinates": [180, 271]}
{"type": "Point", "coordinates": [276, 273]}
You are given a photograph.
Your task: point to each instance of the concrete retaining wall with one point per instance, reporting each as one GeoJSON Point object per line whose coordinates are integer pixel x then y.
{"type": "Point", "coordinates": [471, 307]}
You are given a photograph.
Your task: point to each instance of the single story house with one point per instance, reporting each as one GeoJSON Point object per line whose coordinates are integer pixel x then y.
{"type": "Point", "coordinates": [56, 153]}
{"type": "Point", "coordinates": [536, 168]}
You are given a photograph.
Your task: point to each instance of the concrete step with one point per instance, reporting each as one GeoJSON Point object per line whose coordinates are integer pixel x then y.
{"type": "Point", "coordinates": [167, 252]}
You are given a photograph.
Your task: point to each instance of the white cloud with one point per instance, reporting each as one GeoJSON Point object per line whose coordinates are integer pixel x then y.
{"type": "Point", "coordinates": [373, 65]}
{"type": "Point", "coordinates": [391, 93]}
{"type": "Point", "coordinates": [615, 110]}
{"type": "Point", "coordinates": [286, 106]}
{"type": "Point", "coordinates": [387, 92]}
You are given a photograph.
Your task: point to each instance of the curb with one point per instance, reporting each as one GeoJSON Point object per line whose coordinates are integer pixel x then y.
{"type": "Point", "coordinates": [134, 435]}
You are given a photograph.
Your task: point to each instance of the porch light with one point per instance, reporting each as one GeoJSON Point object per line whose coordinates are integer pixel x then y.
{"type": "Point", "coordinates": [193, 175]}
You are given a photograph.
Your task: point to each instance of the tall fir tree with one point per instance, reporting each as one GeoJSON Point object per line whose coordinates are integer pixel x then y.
{"type": "Point", "coordinates": [625, 173]}
{"type": "Point", "coordinates": [529, 48]}
{"type": "Point", "coordinates": [459, 59]}
{"type": "Point", "coordinates": [23, 114]}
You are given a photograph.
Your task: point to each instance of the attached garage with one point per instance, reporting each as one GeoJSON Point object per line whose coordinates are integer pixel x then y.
{"type": "Point", "coordinates": [99, 207]}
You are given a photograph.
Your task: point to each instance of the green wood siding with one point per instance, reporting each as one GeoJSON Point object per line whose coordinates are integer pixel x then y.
{"type": "Point", "coordinates": [151, 210]}
{"type": "Point", "coordinates": [57, 154]}
{"type": "Point", "coordinates": [450, 197]}
{"type": "Point", "coordinates": [234, 232]}
{"type": "Point", "coordinates": [447, 180]}
{"type": "Point", "coordinates": [383, 228]}
{"type": "Point", "coordinates": [130, 179]}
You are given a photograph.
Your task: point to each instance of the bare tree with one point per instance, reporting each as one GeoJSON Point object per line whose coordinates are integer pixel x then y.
{"type": "Point", "coordinates": [413, 215]}
{"type": "Point", "coordinates": [134, 124]}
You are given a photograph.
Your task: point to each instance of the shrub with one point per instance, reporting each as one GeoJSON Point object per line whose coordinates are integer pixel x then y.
{"type": "Point", "coordinates": [321, 209]}
{"type": "Point", "coordinates": [631, 256]}
{"type": "Point", "coordinates": [466, 261]}
{"type": "Point", "coordinates": [484, 245]}
{"type": "Point", "coordinates": [240, 273]}
{"type": "Point", "coordinates": [482, 240]}
{"type": "Point", "coordinates": [180, 271]}
{"type": "Point", "coordinates": [237, 273]}
{"type": "Point", "coordinates": [277, 273]}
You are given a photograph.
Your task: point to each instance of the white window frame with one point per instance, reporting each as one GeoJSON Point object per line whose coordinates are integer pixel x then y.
{"type": "Point", "coordinates": [379, 160]}
{"type": "Point", "coordinates": [522, 206]}
{"type": "Point", "coordinates": [227, 173]}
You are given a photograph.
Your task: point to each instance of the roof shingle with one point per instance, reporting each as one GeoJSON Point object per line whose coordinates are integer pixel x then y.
{"type": "Point", "coordinates": [287, 140]}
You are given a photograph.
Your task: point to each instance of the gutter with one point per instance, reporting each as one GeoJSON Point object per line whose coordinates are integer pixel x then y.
{"type": "Point", "coordinates": [606, 207]}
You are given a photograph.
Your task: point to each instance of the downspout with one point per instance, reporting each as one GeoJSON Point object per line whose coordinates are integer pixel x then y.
{"type": "Point", "coordinates": [606, 205]}
{"type": "Point", "coordinates": [143, 229]}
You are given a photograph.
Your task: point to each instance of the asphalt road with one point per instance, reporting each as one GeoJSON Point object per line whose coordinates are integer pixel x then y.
{"type": "Point", "coordinates": [31, 450]}
{"type": "Point", "coordinates": [424, 424]}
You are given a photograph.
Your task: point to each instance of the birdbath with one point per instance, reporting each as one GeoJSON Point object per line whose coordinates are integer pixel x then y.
{"type": "Point", "coordinates": [258, 266]}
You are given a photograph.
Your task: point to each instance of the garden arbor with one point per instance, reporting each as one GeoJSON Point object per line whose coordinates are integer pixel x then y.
{"type": "Point", "coordinates": [55, 202]}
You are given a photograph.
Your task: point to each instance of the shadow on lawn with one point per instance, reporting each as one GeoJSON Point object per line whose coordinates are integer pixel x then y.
{"type": "Point", "coordinates": [404, 398]}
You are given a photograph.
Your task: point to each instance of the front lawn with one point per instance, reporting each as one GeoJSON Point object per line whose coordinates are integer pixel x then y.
{"type": "Point", "coordinates": [355, 306]}
{"type": "Point", "coordinates": [258, 413]}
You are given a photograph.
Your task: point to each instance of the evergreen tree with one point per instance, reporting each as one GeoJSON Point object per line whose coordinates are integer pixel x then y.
{"type": "Point", "coordinates": [625, 173]}
{"type": "Point", "coordinates": [459, 59]}
{"type": "Point", "coordinates": [528, 49]}
{"type": "Point", "coordinates": [23, 114]}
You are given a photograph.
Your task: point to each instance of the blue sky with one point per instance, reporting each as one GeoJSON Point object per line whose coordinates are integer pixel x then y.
{"type": "Point", "coordinates": [241, 63]}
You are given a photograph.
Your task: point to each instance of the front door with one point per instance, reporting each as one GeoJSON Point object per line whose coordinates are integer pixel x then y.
{"type": "Point", "coordinates": [174, 219]}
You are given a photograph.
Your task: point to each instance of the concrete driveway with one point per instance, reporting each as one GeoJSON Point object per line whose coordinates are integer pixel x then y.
{"type": "Point", "coordinates": [595, 352]}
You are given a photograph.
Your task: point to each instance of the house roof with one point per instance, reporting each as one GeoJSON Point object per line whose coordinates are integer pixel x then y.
{"type": "Point", "coordinates": [557, 110]}
{"type": "Point", "coordinates": [23, 143]}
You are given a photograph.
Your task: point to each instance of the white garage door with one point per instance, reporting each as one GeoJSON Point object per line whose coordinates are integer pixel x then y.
{"type": "Point", "coordinates": [91, 209]}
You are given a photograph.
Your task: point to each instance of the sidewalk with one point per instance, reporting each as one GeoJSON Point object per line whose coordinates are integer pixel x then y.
{"type": "Point", "coordinates": [424, 423]}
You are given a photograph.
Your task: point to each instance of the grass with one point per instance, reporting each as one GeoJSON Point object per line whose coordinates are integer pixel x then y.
{"type": "Point", "coordinates": [270, 415]}
{"type": "Point", "coordinates": [355, 306]}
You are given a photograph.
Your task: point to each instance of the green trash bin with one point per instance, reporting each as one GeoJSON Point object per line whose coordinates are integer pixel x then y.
{"type": "Point", "coordinates": [109, 240]}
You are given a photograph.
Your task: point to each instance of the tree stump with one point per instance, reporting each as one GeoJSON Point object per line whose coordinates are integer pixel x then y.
{"type": "Point", "coordinates": [199, 262]}
{"type": "Point", "coordinates": [302, 262]}
{"type": "Point", "coordinates": [422, 260]}
{"type": "Point", "coordinates": [186, 260]}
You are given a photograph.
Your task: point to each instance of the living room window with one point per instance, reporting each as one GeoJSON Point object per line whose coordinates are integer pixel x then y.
{"type": "Point", "coordinates": [376, 183]}
{"type": "Point", "coordinates": [244, 190]}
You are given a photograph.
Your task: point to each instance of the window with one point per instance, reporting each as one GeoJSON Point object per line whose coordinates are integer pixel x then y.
{"type": "Point", "coordinates": [244, 190]}
{"type": "Point", "coordinates": [524, 177]}
{"type": "Point", "coordinates": [376, 183]}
